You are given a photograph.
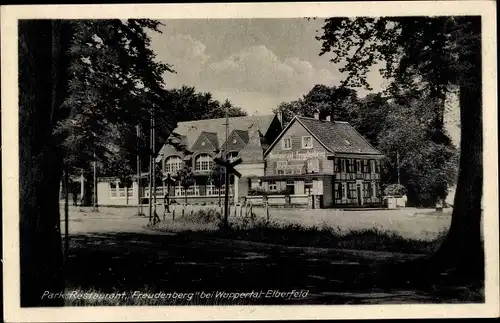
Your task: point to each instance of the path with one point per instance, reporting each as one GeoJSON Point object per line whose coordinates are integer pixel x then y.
{"type": "Point", "coordinates": [111, 250]}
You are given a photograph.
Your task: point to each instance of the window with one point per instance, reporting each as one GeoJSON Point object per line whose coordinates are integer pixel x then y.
{"type": "Point", "coordinates": [366, 166]}
{"type": "Point", "coordinates": [281, 172]}
{"type": "Point", "coordinates": [358, 168]}
{"type": "Point", "coordinates": [308, 185]}
{"type": "Point", "coordinates": [351, 193]}
{"type": "Point", "coordinates": [290, 186]}
{"type": "Point", "coordinates": [273, 186]}
{"type": "Point", "coordinates": [211, 190]}
{"type": "Point", "coordinates": [367, 190]}
{"type": "Point", "coordinates": [179, 191]}
{"type": "Point", "coordinates": [377, 166]}
{"type": "Point", "coordinates": [307, 142]}
{"type": "Point", "coordinates": [286, 143]}
{"type": "Point", "coordinates": [372, 166]}
{"type": "Point", "coordinates": [193, 190]}
{"type": "Point", "coordinates": [377, 189]}
{"type": "Point", "coordinates": [344, 190]}
{"type": "Point", "coordinates": [112, 189]}
{"type": "Point", "coordinates": [203, 162]}
{"type": "Point", "coordinates": [350, 165]}
{"type": "Point", "coordinates": [173, 164]}
{"type": "Point", "coordinates": [288, 171]}
{"type": "Point", "coordinates": [344, 165]}
{"type": "Point", "coordinates": [313, 165]}
{"type": "Point", "coordinates": [281, 164]}
{"type": "Point", "coordinates": [338, 190]}
{"type": "Point", "coordinates": [337, 165]}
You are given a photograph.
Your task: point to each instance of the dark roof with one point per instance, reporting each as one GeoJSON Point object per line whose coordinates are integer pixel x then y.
{"type": "Point", "coordinates": [338, 136]}
{"type": "Point", "coordinates": [193, 129]}
{"type": "Point", "coordinates": [243, 135]}
{"type": "Point", "coordinates": [212, 137]}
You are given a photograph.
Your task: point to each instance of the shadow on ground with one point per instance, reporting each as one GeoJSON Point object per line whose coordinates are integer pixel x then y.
{"type": "Point", "coordinates": [192, 263]}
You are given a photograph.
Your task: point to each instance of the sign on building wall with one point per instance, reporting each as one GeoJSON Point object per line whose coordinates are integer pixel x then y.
{"type": "Point", "coordinates": [297, 155]}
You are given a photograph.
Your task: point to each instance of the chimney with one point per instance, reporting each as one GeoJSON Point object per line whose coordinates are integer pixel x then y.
{"type": "Point", "coordinates": [316, 114]}
{"type": "Point", "coordinates": [328, 118]}
{"type": "Point", "coordinates": [280, 117]}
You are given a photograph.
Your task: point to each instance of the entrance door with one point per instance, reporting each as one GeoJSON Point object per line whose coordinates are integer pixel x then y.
{"type": "Point", "coordinates": [359, 194]}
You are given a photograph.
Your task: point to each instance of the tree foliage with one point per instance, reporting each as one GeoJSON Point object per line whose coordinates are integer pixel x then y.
{"type": "Point", "coordinates": [114, 84]}
{"type": "Point", "coordinates": [429, 55]}
{"type": "Point", "coordinates": [426, 168]}
{"type": "Point", "coordinates": [333, 101]}
{"type": "Point", "coordinates": [180, 104]}
{"type": "Point", "coordinates": [185, 178]}
{"type": "Point", "coordinates": [81, 83]}
{"type": "Point", "coordinates": [218, 178]}
{"type": "Point", "coordinates": [404, 125]}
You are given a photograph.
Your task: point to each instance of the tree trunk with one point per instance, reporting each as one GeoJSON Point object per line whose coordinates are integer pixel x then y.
{"type": "Point", "coordinates": [462, 249]}
{"type": "Point", "coordinates": [66, 218]}
{"type": "Point", "coordinates": [40, 168]}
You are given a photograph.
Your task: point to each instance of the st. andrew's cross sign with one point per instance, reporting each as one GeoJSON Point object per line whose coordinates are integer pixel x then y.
{"type": "Point", "coordinates": [229, 166]}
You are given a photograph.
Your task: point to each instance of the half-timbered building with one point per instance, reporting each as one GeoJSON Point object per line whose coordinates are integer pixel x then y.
{"type": "Point", "coordinates": [323, 163]}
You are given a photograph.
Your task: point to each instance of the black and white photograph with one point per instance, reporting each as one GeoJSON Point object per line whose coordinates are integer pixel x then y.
{"type": "Point", "coordinates": [226, 160]}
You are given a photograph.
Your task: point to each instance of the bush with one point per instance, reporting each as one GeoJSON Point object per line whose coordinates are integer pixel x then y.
{"type": "Point", "coordinates": [202, 216]}
{"type": "Point", "coordinates": [395, 190]}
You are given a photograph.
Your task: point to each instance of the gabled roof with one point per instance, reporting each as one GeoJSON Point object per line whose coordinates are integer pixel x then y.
{"type": "Point", "coordinates": [253, 152]}
{"type": "Point", "coordinates": [211, 137]}
{"type": "Point", "coordinates": [170, 150]}
{"type": "Point", "coordinates": [193, 129]}
{"type": "Point", "coordinates": [242, 134]}
{"type": "Point", "coordinates": [335, 136]}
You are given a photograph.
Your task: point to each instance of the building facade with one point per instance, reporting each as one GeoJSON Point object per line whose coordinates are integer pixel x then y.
{"type": "Point", "coordinates": [203, 140]}
{"type": "Point", "coordinates": [310, 163]}
{"type": "Point", "coordinates": [323, 164]}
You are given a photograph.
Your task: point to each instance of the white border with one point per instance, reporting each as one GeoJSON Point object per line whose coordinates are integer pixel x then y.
{"type": "Point", "coordinates": [10, 167]}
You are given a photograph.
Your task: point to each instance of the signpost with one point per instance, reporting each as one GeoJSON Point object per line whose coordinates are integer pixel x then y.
{"type": "Point", "coordinates": [229, 166]}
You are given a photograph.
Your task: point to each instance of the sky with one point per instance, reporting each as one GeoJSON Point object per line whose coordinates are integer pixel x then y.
{"type": "Point", "coordinates": [255, 63]}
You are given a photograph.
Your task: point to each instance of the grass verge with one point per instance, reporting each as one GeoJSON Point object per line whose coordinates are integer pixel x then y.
{"type": "Point", "coordinates": [257, 229]}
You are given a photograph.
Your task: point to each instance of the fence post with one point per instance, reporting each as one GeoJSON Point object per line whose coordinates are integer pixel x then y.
{"type": "Point", "coordinates": [173, 215]}
{"type": "Point", "coordinates": [267, 211]}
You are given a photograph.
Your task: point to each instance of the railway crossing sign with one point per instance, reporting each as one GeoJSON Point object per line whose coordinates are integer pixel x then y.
{"type": "Point", "coordinates": [229, 166]}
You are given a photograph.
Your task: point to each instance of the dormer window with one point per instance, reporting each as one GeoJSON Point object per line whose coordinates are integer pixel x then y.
{"type": "Point", "coordinates": [173, 164]}
{"type": "Point", "coordinates": [286, 143]}
{"type": "Point", "coordinates": [203, 162]}
{"type": "Point", "coordinates": [307, 142]}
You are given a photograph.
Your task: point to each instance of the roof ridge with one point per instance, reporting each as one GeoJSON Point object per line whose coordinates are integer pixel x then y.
{"type": "Point", "coordinates": [241, 117]}
{"type": "Point", "coordinates": [321, 120]}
